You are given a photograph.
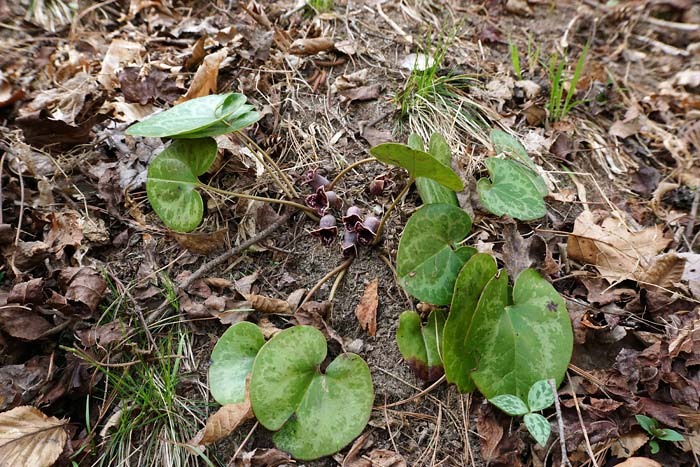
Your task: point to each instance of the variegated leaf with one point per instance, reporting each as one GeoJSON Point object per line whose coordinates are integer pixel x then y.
{"type": "Point", "coordinates": [540, 396]}
{"type": "Point", "coordinates": [511, 190]}
{"type": "Point", "coordinates": [512, 405]}
{"type": "Point", "coordinates": [539, 427]}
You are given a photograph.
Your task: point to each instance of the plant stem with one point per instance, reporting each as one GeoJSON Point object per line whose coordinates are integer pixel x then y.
{"type": "Point", "coordinates": [343, 266]}
{"type": "Point", "coordinates": [378, 234]}
{"type": "Point", "coordinates": [280, 177]}
{"type": "Point", "coordinates": [301, 207]}
{"type": "Point", "coordinates": [348, 169]}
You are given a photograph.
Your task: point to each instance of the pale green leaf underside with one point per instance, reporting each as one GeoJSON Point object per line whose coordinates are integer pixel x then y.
{"type": "Point", "coordinates": [420, 345]}
{"type": "Point", "coordinates": [232, 360]}
{"type": "Point", "coordinates": [418, 164]}
{"type": "Point", "coordinates": [430, 191]}
{"type": "Point", "coordinates": [539, 427]}
{"type": "Point", "coordinates": [470, 283]}
{"type": "Point", "coordinates": [540, 396]}
{"type": "Point", "coordinates": [505, 143]}
{"type": "Point", "coordinates": [511, 190]}
{"type": "Point", "coordinates": [429, 257]}
{"type": "Point", "coordinates": [172, 181]}
{"type": "Point", "coordinates": [523, 343]}
{"type": "Point", "coordinates": [316, 414]}
{"type": "Point", "coordinates": [512, 405]}
{"type": "Point", "coordinates": [189, 116]}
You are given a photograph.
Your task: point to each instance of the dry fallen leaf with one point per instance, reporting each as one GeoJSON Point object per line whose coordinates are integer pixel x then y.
{"type": "Point", "coordinates": [638, 462]}
{"type": "Point", "coordinates": [269, 305]}
{"type": "Point", "coordinates": [223, 423]}
{"type": "Point", "coordinates": [119, 53]}
{"type": "Point", "coordinates": [204, 81]}
{"type": "Point", "coordinates": [629, 443]}
{"type": "Point", "coordinates": [311, 46]}
{"type": "Point", "coordinates": [617, 253]}
{"type": "Point", "coordinates": [30, 438]}
{"type": "Point", "coordinates": [366, 311]}
{"type": "Point", "coordinates": [201, 243]}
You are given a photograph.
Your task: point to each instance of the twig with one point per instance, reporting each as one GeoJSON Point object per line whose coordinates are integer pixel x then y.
{"type": "Point", "coordinates": [560, 422]}
{"type": "Point", "coordinates": [378, 235]}
{"type": "Point", "coordinates": [344, 265]}
{"type": "Point", "coordinates": [2, 164]}
{"type": "Point", "coordinates": [206, 267]}
{"type": "Point", "coordinates": [348, 169]}
{"type": "Point", "coordinates": [277, 172]}
{"type": "Point", "coordinates": [583, 426]}
{"type": "Point", "coordinates": [234, 194]}
{"type": "Point", "coordinates": [413, 397]}
{"type": "Point", "coordinates": [691, 223]}
{"type": "Point", "coordinates": [240, 448]}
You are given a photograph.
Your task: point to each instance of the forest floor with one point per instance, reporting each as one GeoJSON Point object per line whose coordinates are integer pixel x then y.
{"type": "Point", "coordinates": [97, 330]}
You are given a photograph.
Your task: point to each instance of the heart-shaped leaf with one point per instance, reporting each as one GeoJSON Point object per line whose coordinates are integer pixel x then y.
{"type": "Point", "coordinates": [540, 396]}
{"type": "Point", "coordinates": [430, 191]}
{"type": "Point", "coordinates": [172, 182]}
{"type": "Point", "coordinates": [232, 360]}
{"type": "Point", "coordinates": [240, 119]}
{"type": "Point", "coordinates": [539, 427]}
{"type": "Point", "coordinates": [505, 143]}
{"type": "Point", "coordinates": [512, 405]}
{"type": "Point", "coordinates": [418, 164]}
{"type": "Point", "coordinates": [429, 256]}
{"type": "Point", "coordinates": [520, 344]}
{"type": "Point", "coordinates": [190, 116]}
{"type": "Point", "coordinates": [316, 414]}
{"type": "Point", "coordinates": [511, 190]}
{"type": "Point", "coordinates": [420, 345]}
{"type": "Point", "coordinates": [472, 279]}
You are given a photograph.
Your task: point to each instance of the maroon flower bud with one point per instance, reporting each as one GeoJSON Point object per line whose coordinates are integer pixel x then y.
{"type": "Point", "coordinates": [379, 184]}
{"type": "Point", "coordinates": [352, 216]}
{"type": "Point", "coordinates": [327, 230]}
{"type": "Point", "coordinates": [349, 244]}
{"type": "Point", "coordinates": [367, 230]}
{"type": "Point", "coordinates": [316, 180]}
{"type": "Point", "coordinates": [333, 200]}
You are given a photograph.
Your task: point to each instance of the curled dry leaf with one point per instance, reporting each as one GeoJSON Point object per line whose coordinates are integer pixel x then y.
{"type": "Point", "coordinates": [269, 305]}
{"type": "Point", "coordinates": [311, 46]}
{"type": "Point", "coordinates": [201, 243]}
{"type": "Point", "coordinates": [30, 438]}
{"type": "Point", "coordinates": [204, 81]}
{"type": "Point", "coordinates": [366, 311]}
{"type": "Point", "coordinates": [223, 422]}
{"type": "Point", "coordinates": [22, 323]}
{"type": "Point", "coordinates": [638, 462]}
{"type": "Point", "coordinates": [119, 53]}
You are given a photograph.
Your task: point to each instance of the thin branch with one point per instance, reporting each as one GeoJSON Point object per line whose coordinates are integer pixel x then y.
{"type": "Point", "coordinates": [378, 236]}
{"type": "Point", "coordinates": [560, 422]}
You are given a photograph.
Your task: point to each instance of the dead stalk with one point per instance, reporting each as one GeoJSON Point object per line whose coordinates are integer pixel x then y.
{"type": "Point", "coordinates": [560, 422]}
{"type": "Point", "coordinates": [391, 208]}
{"type": "Point", "coordinates": [343, 266]}
{"type": "Point", "coordinates": [310, 212]}
{"type": "Point", "coordinates": [270, 165]}
{"type": "Point", "coordinates": [348, 169]}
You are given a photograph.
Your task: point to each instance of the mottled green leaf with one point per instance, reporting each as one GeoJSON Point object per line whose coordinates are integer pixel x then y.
{"type": "Point", "coordinates": [190, 116]}
{"type": "Point", "coordinates": [415, 142]}
{"type": "Point", "coordinates": [468, 287]}
{"type": "Point", "coordinates": [649, 424]}
{"type": "Point", "coordinates": [507, 144]}
{"type": "Point", "coordinates": [522, 343]}
{"type": "Point", "coordinates": [512, 405]}
{"type": "Point", "coordinates": [420, 345]}
{"type": "Point", "coordinates": [667, 434]}
{"type": "Point", "coordinates": [171, 185]}
{"type": "Point", "coordinates": [236, 122]}
{"type": "Point", "coordinates": [539, 427]}
{"type": "Point", "coordinates": [418, 164]}
{"type": "Point", "coordinates": [511, 190]}
{"type": "Point", "coordinates": [430, 191]}
{"type": "Point", "coordinates": [540, 396]}
{"type": "Point", "coordinates": [429, 256]}
{"type": "Point", "coordinates": [232, 360]}
{"type": "Point", "coordinates": [316, 414]}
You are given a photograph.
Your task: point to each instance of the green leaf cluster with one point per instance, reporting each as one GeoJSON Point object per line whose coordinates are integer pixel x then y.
{"type": "Point", "coordinates": [540, 396]}
{"type": "Point", "coordinates": [514, 187]}
{"type": "Point", "coordinates": [497, 338]}
{"type": "Point", "coordinates": [173, 174]}
{"type": "Point", "coordinates": [651, 426]}
{"type": "Point", "coordinates": [312, 413]}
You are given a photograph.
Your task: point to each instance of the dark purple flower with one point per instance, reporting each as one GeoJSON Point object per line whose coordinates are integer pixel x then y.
{"type": "Point", "coordinates": [322, 200]}
{"type": "Point", "coordinates": [349, 244]}
{"type": "Point", "coordinates": [367, 230]}
{"type": "Point", "coordinates": [352, 216]}
{"type": "Point", "coordinates": [327, 230]}
{"type": "Point", "coordinates": [316, 180]}
{"type": "Point", "coordinates": [379, 184]}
